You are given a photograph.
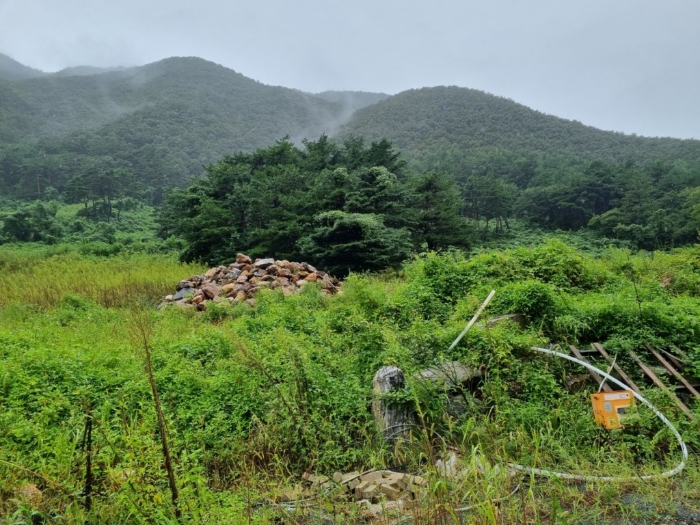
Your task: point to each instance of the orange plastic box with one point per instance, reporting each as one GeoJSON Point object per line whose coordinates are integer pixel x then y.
{"type": "Point", "coordinates": [609, 408]}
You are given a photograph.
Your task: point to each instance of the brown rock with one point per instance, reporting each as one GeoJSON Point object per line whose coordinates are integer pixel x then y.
{"type": "Point", "coordinates": [240, 297]}
{"type": "Point", "coordinates": [242, 278]}
{"type": "Point", "coordinates": [210, 290]}
{"type": "Point", "coordinates": [197, 299]}
{"type": "Point", "coordinates": [169, 298]}
{"type": "Point", "coordinates": [390, 491]}
{"type": "Point", "coordinates": [243, 258]}
{"type": "Point", "coordinates": [303, 274]}
{"type": "Point", "coordinates": [312, 277]}
{"type": "Point", "coordinates": [211, 273]}
{"type": "Point", "coordinates": [284, 272]}
{"type": "Point", "coordinates": [228, 288]}
{"type": "Point", "coordinates": [251, 302]}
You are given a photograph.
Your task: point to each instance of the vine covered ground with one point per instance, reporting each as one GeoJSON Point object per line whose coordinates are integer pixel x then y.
{"type": "Point", "coordinates": [254, 397]}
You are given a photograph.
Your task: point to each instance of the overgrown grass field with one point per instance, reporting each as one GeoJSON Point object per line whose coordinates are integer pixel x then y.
{"type": "Point", "coordinates": [253, 397]}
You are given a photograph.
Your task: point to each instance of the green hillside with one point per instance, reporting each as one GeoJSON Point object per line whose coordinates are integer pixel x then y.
{"type": "Point", "coordinates": [443, 118]}
{"type": "Point", "coordinates": [10, 69]}
{"type": "Point", "coordinates": [163, 122]}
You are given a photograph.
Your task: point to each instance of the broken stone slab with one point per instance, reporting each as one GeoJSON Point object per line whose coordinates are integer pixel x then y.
{"type": "Point", "coordinates": [449, 374]}
{"type": "Point", "coordinates": [390, 491]}
{"type": "Point", "coordinates": [393, 419]}
{"type": "Point", "coordinates": [518, 319]}
{"type": "Point", "coordinates": [263, 263]}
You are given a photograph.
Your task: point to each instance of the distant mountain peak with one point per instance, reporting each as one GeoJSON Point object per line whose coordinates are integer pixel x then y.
{"type": "Point", "coordinates": [12, 70]}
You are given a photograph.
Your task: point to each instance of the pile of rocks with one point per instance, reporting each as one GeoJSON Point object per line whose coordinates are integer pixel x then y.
{"type": "Point", "coordinates": [372, 486]}
{"type": "Point", "coordinates": [240, 281]}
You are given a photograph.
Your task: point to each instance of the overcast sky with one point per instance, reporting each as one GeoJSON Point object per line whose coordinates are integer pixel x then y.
{"type": "Point", "coordinates": [627, 65]}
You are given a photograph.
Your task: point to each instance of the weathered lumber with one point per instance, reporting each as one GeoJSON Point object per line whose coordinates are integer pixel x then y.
{"type": "Point", "coordinates": [595, 376]}
{"type": "Point", "coordinates": [673, 371]}
{"type": "Point", "coordinates": [617, 367]}
{"type": "Point", "coordinates": [663, 387]}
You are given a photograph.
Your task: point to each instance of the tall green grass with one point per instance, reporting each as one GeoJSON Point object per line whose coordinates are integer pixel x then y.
{"type": "Point", "coordinates": [254, 397]}
{"type": "Point", "coordinates": [43, 278]}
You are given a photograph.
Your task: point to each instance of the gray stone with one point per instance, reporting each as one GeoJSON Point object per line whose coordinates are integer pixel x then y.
{"type": "Point", "coordinates": [233, 274]}
{"type": "Point", "coordinates": [450, 374]}
{"type": "Point", "coordinates": [182, 293]}
{"type": "Point", "coordinates": [264, 263]}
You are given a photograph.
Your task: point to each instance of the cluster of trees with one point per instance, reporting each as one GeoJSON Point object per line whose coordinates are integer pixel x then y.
{"type": "Point", "coordinates": [344, 207]}
{"type": "Point", "coordinates": [358, 207]}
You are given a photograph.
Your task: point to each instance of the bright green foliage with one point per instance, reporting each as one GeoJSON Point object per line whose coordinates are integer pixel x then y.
{"type": "Point", "coordinates": [284, 387]}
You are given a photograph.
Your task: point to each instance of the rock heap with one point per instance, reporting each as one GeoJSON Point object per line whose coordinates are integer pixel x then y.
{"type": "Point", "coordinates": [240, 281]}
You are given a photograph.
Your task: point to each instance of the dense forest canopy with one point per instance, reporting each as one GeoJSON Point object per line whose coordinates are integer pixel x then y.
{"type": "Point", "coordinates": [112, 141]}
{"type": "Point", "coordinates": [343, 207]}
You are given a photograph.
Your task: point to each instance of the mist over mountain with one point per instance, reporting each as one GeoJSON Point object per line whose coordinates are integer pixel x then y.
{"type": "Point", "coordinates": [10, 69]}
{"type": "Point", "coordinates": [352, 100]}
{"type": "Point", "coordinates": [164, 121]}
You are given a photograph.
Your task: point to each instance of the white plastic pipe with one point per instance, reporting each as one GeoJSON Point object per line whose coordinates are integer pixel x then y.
{"type": "Point", "coordinates": [473, 320]}
{"type": "Point", "coordinates": [564, 475]}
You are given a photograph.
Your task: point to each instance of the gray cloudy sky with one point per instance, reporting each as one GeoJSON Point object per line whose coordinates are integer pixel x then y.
{"type": "Point", "coordinates": [625, 65]}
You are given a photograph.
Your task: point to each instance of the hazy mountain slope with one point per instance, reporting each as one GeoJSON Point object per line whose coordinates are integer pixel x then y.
{"type": "Point", "coordinates": [60, 105]}
{"type": "Point", "coordinates": [441, 118]}
{"type": "Point", "coordinates": [10, 69]}
{"type": "Point", "coordinates": [163, 121]}
{"type": "Point", "coordinates": [352, 100]}
{"type": "Point", "coordinates": [77, 71]}
{"type": "Point", "coordinates": [15, 113]}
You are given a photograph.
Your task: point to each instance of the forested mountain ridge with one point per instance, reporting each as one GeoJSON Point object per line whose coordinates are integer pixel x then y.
{"type": "Point", "coordinates": [10, 69]}
{"type": "Point", "coordinates": [162, 122]}
{"type": "Point", "coordinates": [443, 118]}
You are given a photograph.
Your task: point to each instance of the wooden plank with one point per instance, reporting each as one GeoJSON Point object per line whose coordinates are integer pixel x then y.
{"type": "Point", "coordinates": [663, 387]}
{"type": "Point", "coordinates": [675, 373]}
{"type": "Point", "coordinates": [676, 362]}
{"type": "Point", "coordinates": [681, 353]}
{"type": "Point", "coordinates": [617, 368]}
{"type": "Point", "coordinates": [595, 376]}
